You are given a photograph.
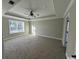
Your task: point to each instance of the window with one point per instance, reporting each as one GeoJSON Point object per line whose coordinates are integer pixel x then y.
{"type": "Point", "coordinates": [16, 26]}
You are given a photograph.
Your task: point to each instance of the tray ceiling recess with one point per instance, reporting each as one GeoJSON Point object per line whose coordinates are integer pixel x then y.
{"type": "Point", "coordinates": [29, 9]}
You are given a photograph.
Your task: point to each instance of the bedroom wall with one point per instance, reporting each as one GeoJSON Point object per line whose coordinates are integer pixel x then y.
{"type": "Point", "coordinates": [50, 28]}
{"type": "Point", "coordinates": [5, 29]}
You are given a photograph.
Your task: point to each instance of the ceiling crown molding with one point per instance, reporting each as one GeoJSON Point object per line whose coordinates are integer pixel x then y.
{"type": "Point", "coordinates": [13, 17]}
{"type": "Point", "coordinates": [46, 18]}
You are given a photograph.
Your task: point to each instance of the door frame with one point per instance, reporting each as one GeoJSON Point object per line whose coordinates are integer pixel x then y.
{"type": "Point", "coordinates": [66, 20]}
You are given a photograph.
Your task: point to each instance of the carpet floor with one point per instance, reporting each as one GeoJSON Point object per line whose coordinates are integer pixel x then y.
{"type": "Point", "coordinates": [33, 47]}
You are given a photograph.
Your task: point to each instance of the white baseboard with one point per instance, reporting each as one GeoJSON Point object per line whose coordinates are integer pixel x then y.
{"type": "Point", "coordinates": [67, 57]}
{"type": "Point", "coordinates": [49, 37]}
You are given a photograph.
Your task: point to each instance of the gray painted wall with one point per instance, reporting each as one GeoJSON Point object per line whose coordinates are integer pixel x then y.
{"type": "Point", "coordinates": [51, 28]}
{"type": "Point", "coordinates": [5, 29]}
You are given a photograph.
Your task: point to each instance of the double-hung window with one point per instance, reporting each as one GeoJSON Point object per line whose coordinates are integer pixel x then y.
{"type": "Point", "coordinates": [16, 26]}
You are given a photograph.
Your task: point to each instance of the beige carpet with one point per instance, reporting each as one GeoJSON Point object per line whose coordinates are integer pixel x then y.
{"type": "Point", "coordinates": [33, 48]}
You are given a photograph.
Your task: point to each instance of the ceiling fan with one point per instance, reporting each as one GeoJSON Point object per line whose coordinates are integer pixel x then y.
{"type": "Point", "coordinates": [31, 13]}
